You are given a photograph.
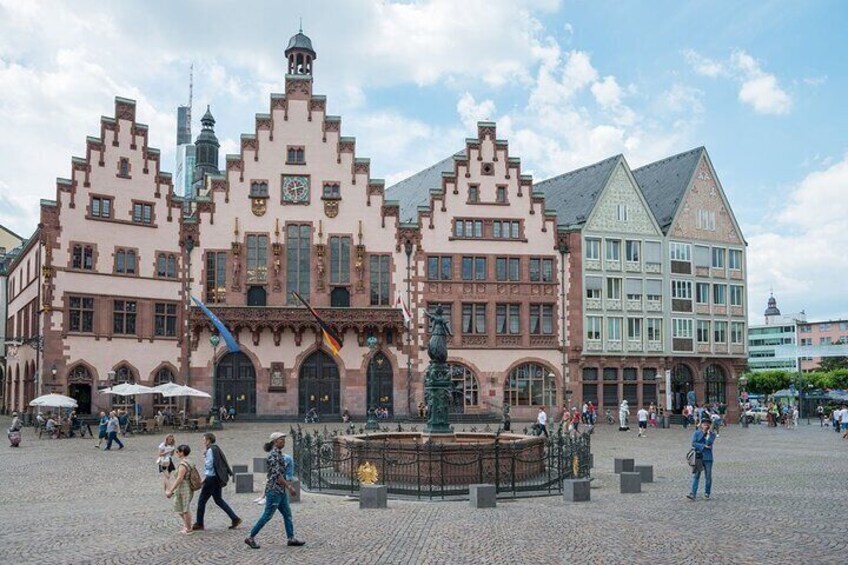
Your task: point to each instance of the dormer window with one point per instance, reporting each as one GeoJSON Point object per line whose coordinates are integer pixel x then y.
{"type": "Point", "coordinates": [124, 167]}
{"type": "Point", "coordinates": [101, 207]}
{"type": "Point", "coordinates": [295, 155]}
{"type": "Point", "coordinates": [473, 194]}
{"type": "Point", "coordinates": [500, 195]}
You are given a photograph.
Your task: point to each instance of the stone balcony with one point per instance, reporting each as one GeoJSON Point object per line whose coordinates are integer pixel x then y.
{"type": "Point", "coordinates": [256, 319]}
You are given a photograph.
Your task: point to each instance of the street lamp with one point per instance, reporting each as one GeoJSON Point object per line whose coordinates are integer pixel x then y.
{"type": "Point", "coordinates": [371, 424]}
{"type": "Point", "coordinates": [407, 248]}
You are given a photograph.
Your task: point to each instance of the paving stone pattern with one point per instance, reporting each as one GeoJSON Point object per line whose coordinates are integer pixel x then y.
{"type": "Point", "coordinates": [777, 498]}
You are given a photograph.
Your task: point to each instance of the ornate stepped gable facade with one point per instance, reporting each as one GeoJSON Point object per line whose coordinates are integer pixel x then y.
{"type": "Point", "coordinates": [110, 286]}
{"type": "Point", "coordinates": [487, 254]}
{"type": "Point", "coordinates": [297, 211]}
{"type": "Point", "coordinates": [574, 289]}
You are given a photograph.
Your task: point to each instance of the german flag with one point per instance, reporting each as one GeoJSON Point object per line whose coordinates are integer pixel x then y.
{"type": "Point", "coordinates": [331, 338]}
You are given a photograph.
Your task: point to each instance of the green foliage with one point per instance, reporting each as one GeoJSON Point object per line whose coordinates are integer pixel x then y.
{"type": "Point", "coordinates": [830, 364]}
{"type": "Point", "coordinates": [768, 382]}
{"type": "Point", "coordinates": [818, 380]}
{"type": "Point", "coordinates": [838, 379]}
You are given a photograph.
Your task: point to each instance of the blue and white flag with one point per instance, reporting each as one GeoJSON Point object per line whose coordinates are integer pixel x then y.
{"type": "Point", "coordinates": [222, 329]}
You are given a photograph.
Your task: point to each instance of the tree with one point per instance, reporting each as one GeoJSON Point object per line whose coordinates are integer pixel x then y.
{"type": "Point", "coordinates": [768, 382]}
{"type": "Point", "coordinates": [829, 364]}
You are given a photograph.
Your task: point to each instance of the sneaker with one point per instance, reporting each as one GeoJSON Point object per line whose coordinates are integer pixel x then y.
{"type": "Point", "coordinates": [294, 541]}
{"type": "Point", "coordinates": [197, 527]}
{"type": "Point", "coordinates": [690, 496]}
{"type": "Point", "coordinates": [706, 497]}
{"type": "Point", "coordinates": [251, 543]}
{"type": "Point", "coordinates": [236, 523]}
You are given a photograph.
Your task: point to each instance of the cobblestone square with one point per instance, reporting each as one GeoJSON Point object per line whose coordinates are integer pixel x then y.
{"type": "Point", "coordinates": [777, 498]}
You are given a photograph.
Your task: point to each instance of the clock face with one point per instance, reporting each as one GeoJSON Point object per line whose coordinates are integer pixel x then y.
{"type": "Point", "coordinates": [295, 189]}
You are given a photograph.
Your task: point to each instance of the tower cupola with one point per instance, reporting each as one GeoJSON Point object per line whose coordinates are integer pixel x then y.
{"type": "Point", "coordinates": [206, 148]}
{"type": "Point", "coordinates": [300, 54]}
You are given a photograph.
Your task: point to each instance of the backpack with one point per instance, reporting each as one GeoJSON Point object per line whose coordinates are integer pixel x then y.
{"type": "Point", "coordinates": [691, 457]}
{"type": "Point", "coordinates": [194, 480]}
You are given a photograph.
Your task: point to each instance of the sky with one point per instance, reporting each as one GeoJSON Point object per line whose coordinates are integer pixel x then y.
{"type": "Point", "coordinates": [761, 84]}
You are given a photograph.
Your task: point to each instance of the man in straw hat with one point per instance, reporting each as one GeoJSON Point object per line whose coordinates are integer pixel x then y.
{"type": "Point", "coordinates": [277, 490]}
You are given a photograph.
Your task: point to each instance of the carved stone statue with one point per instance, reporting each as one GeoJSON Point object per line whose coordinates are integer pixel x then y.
{"type": "Point", "coordinates": [437, 349]}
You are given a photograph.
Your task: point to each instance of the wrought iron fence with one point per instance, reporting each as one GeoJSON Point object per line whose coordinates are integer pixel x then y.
{"type": "Point", "coordinates": [411, 467]}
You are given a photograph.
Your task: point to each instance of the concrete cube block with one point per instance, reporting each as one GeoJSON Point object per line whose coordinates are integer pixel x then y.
{"type": "Point", "coordinates": [244, 482]}
{"type": "Point", "coordinates": [239, 469]}
{"type": "Point", "coordinates": [296, 496]}
{"type": "Point", "coordinates": [646, 471]}
{"type": "Point", "coordinates": [260, 465]}
{"type": "Point", "coordinates": [373, 496]}
{"type": "Point", "coordinates": [630, 482]}
{"type": "Point", "coordinates": [623, 465]}
{"type": "Point", "coordinates": [576, 490]}
{"type": "Point", "coordinates": [482, 496]}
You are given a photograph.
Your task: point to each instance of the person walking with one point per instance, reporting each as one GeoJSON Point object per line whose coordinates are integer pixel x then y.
{"type": "Point", "coordinates": [14, 433]}
{"type": "Point", "coordinates": [216, 473]}
{"type": "Point", "coordinates": [181, 489]}
{"type": "Point", "coordinates": [542, 422]}
{"type": "Point", "coordinates": [820, 414]}
{"type": "Point", "coordinates": [112, 427]}
{"type": "Point", "coordinates": [104, 420]}
{"type": "Point", "coordinates": [843, 420]}
{"type": "Point", "coordinates": [652, 415]}
{"type": "Point", "coordinates": [165, 461]}
{"type": "Point", "coordinates": [702, 442]}
{"type": "Point", "coordinates": [278, 487]}
{"type": "Point", "coordinates": [642, 418]}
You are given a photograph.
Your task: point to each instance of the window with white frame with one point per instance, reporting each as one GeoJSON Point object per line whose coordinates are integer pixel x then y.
{"type": "Point", "coordinates": [681, 328]}
{"type": "Point", "coordinates": [734, 259]}
{"type": "Point", "coordinates": [737, 330]}
{"type": "Point", "coordinates": [653, 253]}
{"type": "Point", "coordinates": [703, 331]}
{"type": "Point", "coordinates": [593, 248]}
{"type": "Point", "coordinates": [633, 289]}
{"type": "Point", "coordinates": [634, 329]}
{"type": "Point", "coordinates": [681, 289]}
{"type": "Point", "coordinates": [632, 250]}
{"type": "Point", "coordinates": [621, 212]}
{"type": "Point", "coordinates": [736, 295]}
{"type": "Point", "coordinates": [594, 286]}
{"type": "Point", "coordinates": [706, 220]}
{"type": "Point", "coordinates": [653, 290]}
{"type": "Point", "coordinates": [593, 328]}
{"type": "Point", "coordinates": [720, 332]}
{"type": "Point", "coordinates": [719, 294]}
{"type": "Point", "coordinates": [718, 257]}
{"type": "Point", "coordinates": [680, 251]}
{"type": "Point", "coordinates": [653, 329]}
{"type": "Point", "coordinates": [702, 293]}
{"type": "Point", "coordinates": [614, 329]}
{"type": "Point", "coordinates": [613, 288]}
{"type": "Point", "coordinates": [613, 249]}
{"type": "Point", "coordinates": [702, 256]}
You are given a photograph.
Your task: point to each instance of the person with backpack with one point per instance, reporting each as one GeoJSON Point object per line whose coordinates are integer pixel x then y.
{"type": "Point", "coordinates": [216, 473]}
{"type": "Point", "coordinates": [278, 487]}
{"type": "Point", "coordinates": [183, 488]}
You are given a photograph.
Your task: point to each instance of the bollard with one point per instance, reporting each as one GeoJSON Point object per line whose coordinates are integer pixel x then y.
{"type": "Point", "coordinates": [244, 482]}
{"type": "Point", "coordinates": [482, 496]}
{"type": "Point", "coordinates": [630, 482]}
{"type": "Point", "coordinates": [239, 469]}
{"type": "Point", "coordinates": [372, 496]}
{"type": "Point", "coordinates": [622, 465]}
{"type": "Point", "coordinates": [646, 471]}
{"type": "Point", "coordinates": [260, 465]}
{"type": "Point", "coordinates": [576, 490]}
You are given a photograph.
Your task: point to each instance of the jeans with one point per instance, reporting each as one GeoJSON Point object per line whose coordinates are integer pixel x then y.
{"type": "Point", "coordinates": [212, 488]}
{"type": "Point", "coordinates": [113, 436]}
{"type": "Point", "coordinates": [275, 501]}
{"type": "Point", "coordinates": [708, 478]}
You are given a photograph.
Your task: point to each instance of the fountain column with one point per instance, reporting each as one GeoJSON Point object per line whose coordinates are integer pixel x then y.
{"type": "Point", "coordinates": [437, 380]}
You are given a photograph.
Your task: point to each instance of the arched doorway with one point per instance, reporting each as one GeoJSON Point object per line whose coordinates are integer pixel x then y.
{"type": "Point", "coordinates": [235, 383]}
{"type": "Point", "coordinates": [681, 384]}
{"type": "Point", "coordinates": [530, 384]}
{"type": "Point", "coordinates": [380, 385]}
{"type": "Point", "coordinates": [79, 388]}
{"type": "Point", "coordinates": [319, 385]}
{"type": "Point", "coordinates": [466, 390]}
{"type": "Point", "coordinates": [716, 384]}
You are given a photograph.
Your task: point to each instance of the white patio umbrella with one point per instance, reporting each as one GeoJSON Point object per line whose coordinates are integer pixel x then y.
{"type": "Point", "coordinates": [186, 391]}
{"type": "Point", "coordinates": [166, 388]}
{"type": "Point", "coordinates": [128, 389]}
{"type": "Point", "coordinates": [54, 400]}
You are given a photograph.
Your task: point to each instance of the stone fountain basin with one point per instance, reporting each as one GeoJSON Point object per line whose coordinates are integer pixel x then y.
{"type": "Point", "coordinates": [461, 458]}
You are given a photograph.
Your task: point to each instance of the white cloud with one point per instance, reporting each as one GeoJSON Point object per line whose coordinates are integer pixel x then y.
{"type": "Point", "coordinates": [799, 250]}
{"type": "Point", "coordinates": [470, 112]}
{"type": "Point", "coordinates": [757, 88]}
{"type": "Point", "coordinates": [681, 98]}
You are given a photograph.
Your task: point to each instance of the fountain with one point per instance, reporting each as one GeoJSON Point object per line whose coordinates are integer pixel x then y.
{"type": "Point", "coordinates": [440, 456]}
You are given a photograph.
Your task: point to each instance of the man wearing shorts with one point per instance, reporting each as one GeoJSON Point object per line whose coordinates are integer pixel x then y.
{"type": "Point", "coordinates": [642, 417]}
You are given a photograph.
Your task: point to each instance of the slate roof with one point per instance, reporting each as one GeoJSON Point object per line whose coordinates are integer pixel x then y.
{"type": "Point", "coordinates": [300, 41]}
{"type": "Point", "coordinates": [573, 195]}
{"type": "Point", "coordinates": [414, 191]}
{"type": "Point", "coordinates": [664, 183]}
